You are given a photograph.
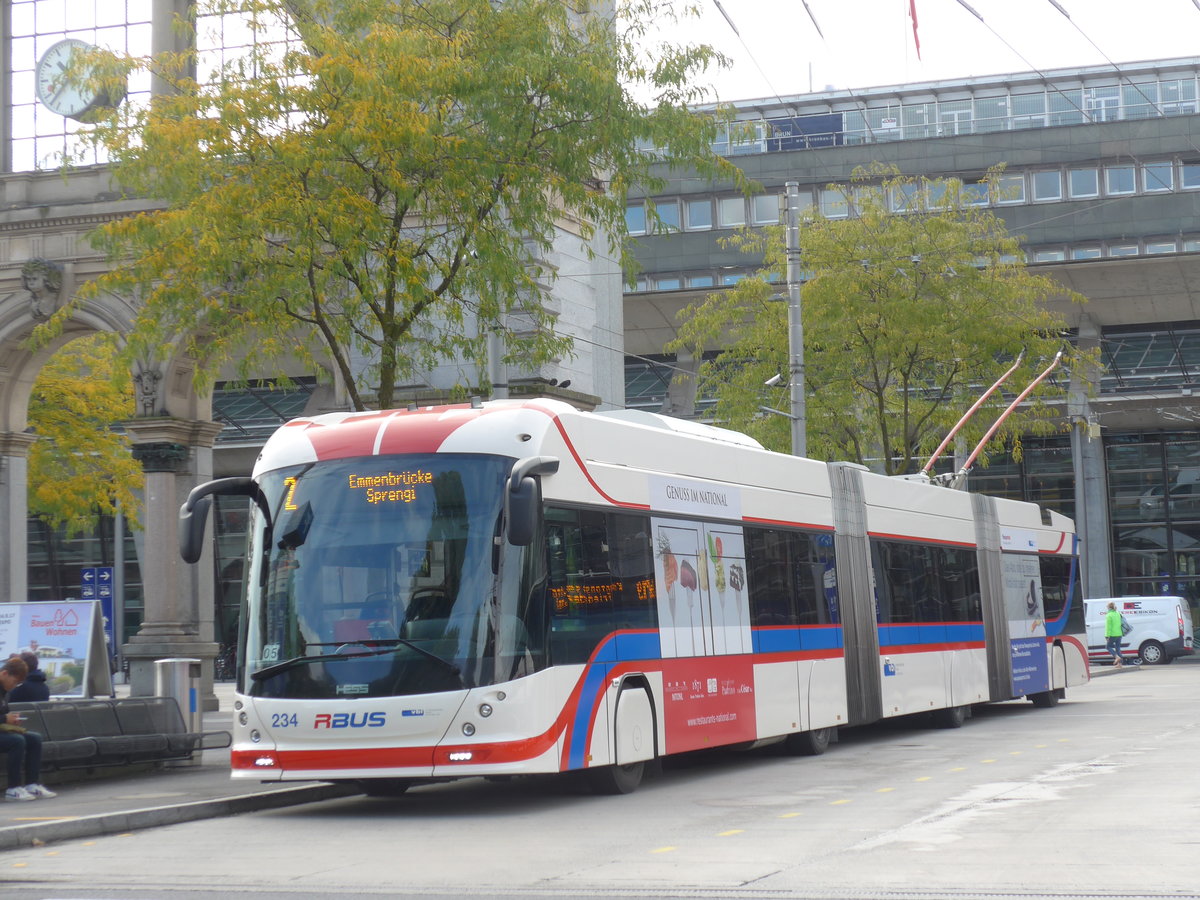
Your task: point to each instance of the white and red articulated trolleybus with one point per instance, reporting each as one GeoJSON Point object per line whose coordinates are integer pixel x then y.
{"type": "Point", "coordinates": [518, 587]}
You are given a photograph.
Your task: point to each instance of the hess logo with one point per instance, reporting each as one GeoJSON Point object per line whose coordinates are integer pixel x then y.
{"type": "Point", "coordinates": [350, 720]}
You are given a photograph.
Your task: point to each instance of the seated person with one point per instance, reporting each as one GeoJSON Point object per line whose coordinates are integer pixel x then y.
{"type": "Point", "coordinates": [23, 748]}
{"type": "Point", "coordinates": [34, 686]}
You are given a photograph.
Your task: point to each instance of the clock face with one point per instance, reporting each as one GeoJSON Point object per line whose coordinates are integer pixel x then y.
{"type": "Point", "coordinates": [66, 97]}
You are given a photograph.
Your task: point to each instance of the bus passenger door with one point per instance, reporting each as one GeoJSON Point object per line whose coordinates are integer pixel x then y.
{"type": "Point", "coordinates": [728, 600]}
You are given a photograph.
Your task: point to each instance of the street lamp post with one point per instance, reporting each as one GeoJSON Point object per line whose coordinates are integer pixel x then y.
{"type": "Point", "coordinates": [795, 324]}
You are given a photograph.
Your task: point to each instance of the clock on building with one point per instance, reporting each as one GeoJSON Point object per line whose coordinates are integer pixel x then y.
{"type": "Point", "coordinates": [72, 97]}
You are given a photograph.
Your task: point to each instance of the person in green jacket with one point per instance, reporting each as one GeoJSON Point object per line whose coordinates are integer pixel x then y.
{"type": "Point", "coordinates": [1113, 634]}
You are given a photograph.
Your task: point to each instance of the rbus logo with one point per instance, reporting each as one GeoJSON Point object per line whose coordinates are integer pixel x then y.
{"type": "Point", "coordinates": [350, 720]}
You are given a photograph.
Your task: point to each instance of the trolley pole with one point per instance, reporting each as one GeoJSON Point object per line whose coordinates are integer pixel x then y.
{"type": "Point", "coordinates": [797, 412]}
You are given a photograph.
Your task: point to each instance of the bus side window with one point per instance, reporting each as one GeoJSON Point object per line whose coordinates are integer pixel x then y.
{"type": "Point", "coordinates": [582, 590]}
{"type": "Point", "coordinates": [770, 577]}
{"type": "Point", "coordinates": [631, 564]}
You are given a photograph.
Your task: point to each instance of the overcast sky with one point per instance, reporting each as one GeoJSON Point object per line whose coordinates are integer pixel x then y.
{"type": "Point", "coordinates": [869, 43]}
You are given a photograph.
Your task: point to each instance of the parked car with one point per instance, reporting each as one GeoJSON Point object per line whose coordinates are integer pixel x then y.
{"type": "Point", "coordinates": [1161, 628]}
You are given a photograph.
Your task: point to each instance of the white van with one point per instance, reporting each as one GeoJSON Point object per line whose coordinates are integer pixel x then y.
{"type": "Point", "coordinates": [1162, 628]}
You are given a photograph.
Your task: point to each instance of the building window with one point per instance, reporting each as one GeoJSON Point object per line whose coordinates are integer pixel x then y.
{"type": "Point", "coordinates": [1119, 180]}
{"type": "Point", "coordinates": [1122, 249]}
{"type": "Point", "coordinates": [1083, 183]}
{"type": "Point", "coordinates": [834, 204]}
{"type": "Point", "coordinates": [974, 194]}
{"type": "Point", "coordinates": [699, 214]}
{"type": "Point", "coordinates": [905, 197]}
{"type": "Point", "coordinates": [1160, 247]}
{"type": "Point", "coordinates": [732, 278]}
{"type": "Point", "coordinates": [1189, 175]}
{"type": "Point", "coordinates": [667, 283]}
{"type": "Point", "coordinates": [635, 218]}
{"type": "Point", "coordinates": [1049, 256]}
{"type": "Point", "coordinates": [1047, 186]}
{"type": "Point", "coordinates": [1010, 189]}
{"type": "Point", "coordinates": [1191, 246]}
{"type": "Point", "coordinates": [1158, 176]}
{"type": "Point", "coordinates": [765, 209]}
{"type": "Point", "coordinates": [700, 281]}
{"type": "Point", "coordinates": [668, 215]}
{"type": "Point", "coordinates": [731, 212]}
{"type": "Point", "coordinates": [1085, 253]}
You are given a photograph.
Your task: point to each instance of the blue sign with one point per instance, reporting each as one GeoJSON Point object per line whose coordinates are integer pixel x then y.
{"type": "Point", "coordinates": [96, 583]}
{"type": "Point", "coordinates": [87, 583]}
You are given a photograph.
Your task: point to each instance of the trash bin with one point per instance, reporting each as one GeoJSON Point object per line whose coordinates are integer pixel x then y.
{"type": "Point", "coordinates": [180, 678]}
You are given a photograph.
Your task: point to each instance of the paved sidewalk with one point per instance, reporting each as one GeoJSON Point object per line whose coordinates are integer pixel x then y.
{"type": "Point", "coordinates": [146, 799]}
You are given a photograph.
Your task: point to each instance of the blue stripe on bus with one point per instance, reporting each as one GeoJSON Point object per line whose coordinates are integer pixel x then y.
{"type": "Point", "coordinates": [929, 633]}
{"type": "Point", "coordinates": [784, 638]}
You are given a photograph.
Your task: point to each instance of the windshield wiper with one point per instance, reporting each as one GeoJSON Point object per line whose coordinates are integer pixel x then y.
{"type": "Point", "coordinates": [278, 667]}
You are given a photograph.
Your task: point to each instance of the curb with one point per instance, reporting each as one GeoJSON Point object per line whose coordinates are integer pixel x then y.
{"type": "Point", "coordinates": [39, 833]}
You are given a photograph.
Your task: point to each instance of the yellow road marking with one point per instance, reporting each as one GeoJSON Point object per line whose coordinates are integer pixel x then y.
{"type": "Point", "coordinates": [959, 769]}
{"type": "Point", "coordinates": [987, 760]}
{"type": "Point", "coordinates": [839, 802]}
{"type": "Point", "coordinates": [884, 790]}
{"type": "Point", "coordinates": [925, 778]}
{"type": "Point", "coordinates": [789, 815]}
{"type": "Point", "coordinates": [19, 865]}
{"type": "Point", "coordinates": [1015, 752]}
{"type": "Point", "coordinates": [663, 850]}
{"type": "Point", "coordinates": [731, 831]}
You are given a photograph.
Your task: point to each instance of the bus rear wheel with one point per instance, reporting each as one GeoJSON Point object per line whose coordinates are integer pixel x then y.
{"type": "Point", "coordinates": [808, 743]}
{"type": "Point", "coordinates": [950, 717]}
{"type": "Point", "coordinates": [616, 779]}
{"type": "Point", "coordinates": [1047, 699]}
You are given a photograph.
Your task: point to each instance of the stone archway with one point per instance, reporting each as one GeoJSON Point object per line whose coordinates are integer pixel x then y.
{"type": "Point", "coordinates": [44, 257]}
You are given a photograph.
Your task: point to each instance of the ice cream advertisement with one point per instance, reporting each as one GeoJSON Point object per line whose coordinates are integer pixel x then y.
{"type": "Point", "coordinates": [703, 601]}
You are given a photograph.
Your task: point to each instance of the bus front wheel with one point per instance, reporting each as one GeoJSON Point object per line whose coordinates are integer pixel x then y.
{"type": "Point", "coordinates": [616, 779]}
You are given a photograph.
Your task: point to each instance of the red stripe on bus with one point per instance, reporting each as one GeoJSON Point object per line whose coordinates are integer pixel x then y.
{"type": "Point", "coordinates": [883, 535]}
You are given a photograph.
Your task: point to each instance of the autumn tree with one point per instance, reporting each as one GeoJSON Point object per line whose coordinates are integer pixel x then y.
{"type": "Point", "coordinates": [80, 467]}
{"type": "Point", "coordinates": [381, 190]}
{"type": "Point", "coordinates": [912, 306]}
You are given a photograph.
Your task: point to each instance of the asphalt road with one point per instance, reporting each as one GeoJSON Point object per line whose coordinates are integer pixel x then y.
{"type": "Point", "coordinates": [1099, 796]}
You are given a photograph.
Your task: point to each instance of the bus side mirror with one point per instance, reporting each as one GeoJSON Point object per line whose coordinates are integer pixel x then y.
{"type": "Point", "coordinates": [193, 514]}
{"type": "Point", "coordinates": [524, 504]}
{"type": "Point", "coordinates": [191, 529]}
{"type": "Point", "coordinates": [524, 497]}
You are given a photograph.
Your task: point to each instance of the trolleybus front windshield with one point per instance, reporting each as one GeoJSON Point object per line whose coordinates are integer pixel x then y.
{"type": "Point", "coordinates": [381, 576]}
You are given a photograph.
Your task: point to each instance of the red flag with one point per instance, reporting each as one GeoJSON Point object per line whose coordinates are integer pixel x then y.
{"type": "Point", "coordinates": [912, 10]}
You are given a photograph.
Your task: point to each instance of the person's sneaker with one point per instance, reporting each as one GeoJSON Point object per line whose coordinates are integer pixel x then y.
{"type": "Point", "coordinates": [39, 791]}
{"type": "Point", "coordinates": [18, 794]}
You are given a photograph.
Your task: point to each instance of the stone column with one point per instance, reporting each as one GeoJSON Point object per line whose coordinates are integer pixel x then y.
{"type": "Point", "coordinates": [1091, 479]}
{"type": "Point", "coordinates": [176, 454]}
{"type": "Point", "coordinates": [14, 514]}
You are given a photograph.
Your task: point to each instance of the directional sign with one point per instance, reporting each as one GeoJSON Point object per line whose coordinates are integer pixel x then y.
{"type": "Point", "coordinates": [87, 583]}
{"type": "Point", "coordinates": [104, 582]}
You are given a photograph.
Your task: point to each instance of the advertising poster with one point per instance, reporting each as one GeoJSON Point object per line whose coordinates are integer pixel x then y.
{"type": "Point", "coordinates": [1026, 624]}
{"type": "Point", "coordinates": [708, 702]}
{"type": "Point", "coordinates": [68, 639]}
{"type": "Point", "coordinates": [681, 570]}
{"type": "Point", "coordinates": [728, 598]}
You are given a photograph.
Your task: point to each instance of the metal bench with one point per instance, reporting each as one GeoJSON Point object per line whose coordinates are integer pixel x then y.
{"type": "Point", "coordinates": [104, 732]}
